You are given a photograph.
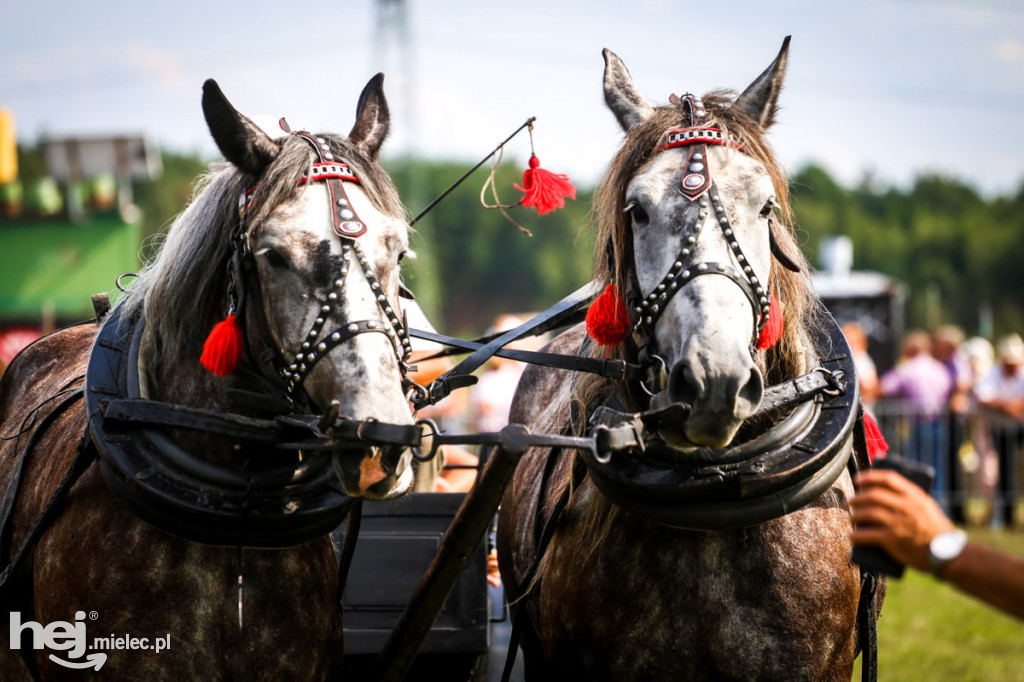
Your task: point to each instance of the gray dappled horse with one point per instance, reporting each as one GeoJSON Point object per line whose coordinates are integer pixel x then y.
{"type": "Point", "coordinates": [650, 585]}
{"type": "Point", "coordinates": [285, 221]}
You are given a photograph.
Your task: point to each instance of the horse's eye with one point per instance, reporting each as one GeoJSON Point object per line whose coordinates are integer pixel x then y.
{"type": "Point", "coordinates": [767, 209]}
{"type": "Point", "coordinates": [401, 257]}
{"type": "Point", "coordinates": [636, 211]}
{"type": "Point", "coordinates": [275, 259]}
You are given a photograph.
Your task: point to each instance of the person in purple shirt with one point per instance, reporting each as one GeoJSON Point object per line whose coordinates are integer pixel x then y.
{"type": "Point", "coordinates": [922, 384]}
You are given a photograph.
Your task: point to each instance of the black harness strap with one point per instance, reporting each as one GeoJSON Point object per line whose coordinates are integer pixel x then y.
{"type": "Point", "coordinates": [459, 375]}
{"type": "Point", "coordinates": [83, 458]}
{"type": "Point", "coordinates": [70, 395]}
{"type": "Point", "coordinates": [867, 626]}
{"type": "Point", "coordinates": [867, 616]}
{"type": "Point", "coordinates": [143, 412]}
{"type": "Point", "coordinates": [541, 541]}
{"type": "Point", "coordinates": [348, 549]}
{"type": "Point", "coordinates": [606, 367]}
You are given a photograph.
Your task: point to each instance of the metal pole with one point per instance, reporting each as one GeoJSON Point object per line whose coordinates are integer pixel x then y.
{"type": "Point", "coordinates": [467, 529]}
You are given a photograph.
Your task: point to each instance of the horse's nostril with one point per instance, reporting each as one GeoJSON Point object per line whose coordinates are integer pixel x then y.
{"type": "Point", "coordinates": [753, 390]}
{"type": "Point", "coordinates": [683, 385]}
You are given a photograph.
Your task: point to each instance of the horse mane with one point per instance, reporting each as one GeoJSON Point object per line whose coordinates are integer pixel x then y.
{"type": "Point", "coordinates": [183, 290]}
{"type": "Point", "coordinates": [612, 254]}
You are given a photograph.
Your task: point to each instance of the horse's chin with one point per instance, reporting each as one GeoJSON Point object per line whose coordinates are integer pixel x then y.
{"type": "Point", "coordinates": [401, 487]}
{"type": "Point", "coordinates": [691, 435]}
{"type": "Point", "coordinates": [367, 477]}
{"type": "Point", "coordinates": [676, 439]}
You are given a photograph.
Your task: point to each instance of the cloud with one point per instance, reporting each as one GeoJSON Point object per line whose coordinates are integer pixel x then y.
{"type": "Point", "coordinates": [1009, 51]}
{"type": "Point", "coordinates": [157, 65]}
{"type": "Point", "coordinates": [91, 63]}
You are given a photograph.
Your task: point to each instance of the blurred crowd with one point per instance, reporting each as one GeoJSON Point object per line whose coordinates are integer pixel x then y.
{"type": "Point", "coordinates": [956, 404]}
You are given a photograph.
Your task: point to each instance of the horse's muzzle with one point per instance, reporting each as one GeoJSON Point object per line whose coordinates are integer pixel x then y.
{"type": "Point", "coordinates": [718, 402]}
{"type": "Point", "coordinates": [374, 473]}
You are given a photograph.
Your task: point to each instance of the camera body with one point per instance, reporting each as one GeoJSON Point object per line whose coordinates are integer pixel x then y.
{"type": "Point", "coordinates": [875, 558]}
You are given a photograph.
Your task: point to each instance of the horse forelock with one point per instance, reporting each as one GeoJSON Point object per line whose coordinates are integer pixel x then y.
{"type": "Point", "coordinates": [183, 289]}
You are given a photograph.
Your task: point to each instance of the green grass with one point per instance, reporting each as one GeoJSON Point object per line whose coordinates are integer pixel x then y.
{"type": "Point", "coordinates": [930, 631]}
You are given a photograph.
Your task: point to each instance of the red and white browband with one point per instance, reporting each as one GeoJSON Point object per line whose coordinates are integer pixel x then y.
{"type": "Point", "coordinates": [343, 217]}
{"type": "Point", "coordinates": [327, 170]}
{"type": "Point", "coordinates": [705, 134]}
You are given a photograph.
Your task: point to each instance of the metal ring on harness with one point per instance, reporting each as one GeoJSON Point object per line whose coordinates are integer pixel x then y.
{"type": "Point", "coordinates": [416, 393]}
{"type": "Point", "coordinates": [654, 372]}
{"type": "Point", "coordinates": [416, 450]}
{"type": "Point", "coordinates": [117, 282]}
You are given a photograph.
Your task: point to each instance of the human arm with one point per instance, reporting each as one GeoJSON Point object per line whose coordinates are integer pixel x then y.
{"type": "Point", "coordinates": [891, 383]}
{"type": "Point", "coordinates": [892, 512]}
{"type": "Point", "coordinates": [1012, 407]}
{"type": "Point", "coordinates": [456, 480]}
{"type": "Point", "coordinates": [995, 395]}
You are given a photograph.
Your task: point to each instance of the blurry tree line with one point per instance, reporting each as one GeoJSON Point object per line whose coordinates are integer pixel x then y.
{"type": "Point", "coordinates": [472, 263]}
{"type": "Point", "coordinates": [938, 236]}
{"type": "Point", "coordinates": [961, 255]}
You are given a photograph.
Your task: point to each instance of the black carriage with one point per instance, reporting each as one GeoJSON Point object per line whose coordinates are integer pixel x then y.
{"type": "Point", "coordinates": [397, 542]}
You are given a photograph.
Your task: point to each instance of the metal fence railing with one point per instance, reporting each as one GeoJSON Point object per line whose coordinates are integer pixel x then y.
{"type": "Point", "coordinates": [978, 457]}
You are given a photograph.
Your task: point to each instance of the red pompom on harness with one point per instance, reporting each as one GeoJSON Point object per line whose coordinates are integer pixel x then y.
{"type": "Point", "coordinates": [771, 332]}
{"type": "Point", "coordinates": [607, 320]}
{"type": "Point", "coordinates": [545, 191]}
{"type": "Point", "coordinates": [877, 447]}
{"type": "Point", "coordinates": [223, 347]}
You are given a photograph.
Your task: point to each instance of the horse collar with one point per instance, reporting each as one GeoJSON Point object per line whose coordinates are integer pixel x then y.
{"type": "Point", "coordinates": [749, 483]}
{"type": "Point", "coordinates": [192, 498]}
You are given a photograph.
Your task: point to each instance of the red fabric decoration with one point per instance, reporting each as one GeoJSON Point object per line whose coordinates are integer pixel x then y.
{"type": "Point", "coordinates": [223, 347]}
{"type": "Point", "coordinates": [877, 447]}
{"type": "Point", "coordinates": [772, 331]}
{"type": "Point", "coordinates": [607, 320]}
{"type": "Point", "coordinates": [545, 191]}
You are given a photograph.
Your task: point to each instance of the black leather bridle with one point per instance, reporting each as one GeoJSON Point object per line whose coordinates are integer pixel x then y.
{"type": "Point", "coordinates": [317, 343]}
{"type": "Point", "coordinates": [697, 185]}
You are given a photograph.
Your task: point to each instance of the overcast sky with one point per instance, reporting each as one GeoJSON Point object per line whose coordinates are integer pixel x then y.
{"type": "Point", "coordinates": [890, 87]}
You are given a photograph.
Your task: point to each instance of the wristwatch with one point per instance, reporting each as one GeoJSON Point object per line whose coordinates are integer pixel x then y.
{"type": "Point", "coordinates": [945, 547]}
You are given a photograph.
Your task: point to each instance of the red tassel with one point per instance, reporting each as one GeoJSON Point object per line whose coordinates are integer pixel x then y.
{"type": "Point", "coordinates": [772, 331]}
{"type": "Point", "coordinates": [877, 447]}
{"type": "Point", "coordinates": [223, 347]}
{"type": "Point", "coordinates": [607, 320]}
{"type": "Point", "coordinates": [545, 191]}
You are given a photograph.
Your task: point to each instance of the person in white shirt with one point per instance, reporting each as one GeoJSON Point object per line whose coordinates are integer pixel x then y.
{"type": "Point", "coordinates": [1000, 395]}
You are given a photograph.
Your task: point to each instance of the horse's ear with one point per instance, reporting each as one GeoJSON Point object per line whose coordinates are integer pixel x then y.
{"type": "Point", "coordinates": [241, 141]}
{"type": "Point", "coordinates": [373, 119]}
{"type": "Point", "coordinates": [760, 100]}
{"type": "Point", "coordinates": [621, 95]}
